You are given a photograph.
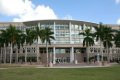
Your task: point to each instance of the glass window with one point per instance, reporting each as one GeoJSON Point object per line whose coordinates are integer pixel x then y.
{"type": "Point", "coordinates": [76, 27]}
{"type": "Point", "coordinates": [72, 27]}
{"type": "Point", "coordinates": [23, 51]}
{"type": "Point", "coordinates": [62, 27]}
{"type": "Point", "coordinates": [62, 51]}
{"type": "Point", "coordinates": [80, 27]}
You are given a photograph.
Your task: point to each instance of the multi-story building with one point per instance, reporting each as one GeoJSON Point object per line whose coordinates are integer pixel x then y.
{"type": "Point", "coordinates": [67, 46]}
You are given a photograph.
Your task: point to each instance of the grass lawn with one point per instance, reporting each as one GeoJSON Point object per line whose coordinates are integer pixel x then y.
{"type": "Point", "coordinates": [106, 73]}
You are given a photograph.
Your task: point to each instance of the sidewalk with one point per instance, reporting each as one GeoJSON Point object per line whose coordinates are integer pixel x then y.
{"type": "Point", "coordinates": [71, 65]}
{"type": "Point", "coordinates": [62, 65]}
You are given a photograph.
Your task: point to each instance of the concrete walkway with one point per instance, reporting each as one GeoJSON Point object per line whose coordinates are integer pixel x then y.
{"type": "Point", "coordinates": [63, 65]}
{"type": "Point", "coordinates": [3, 68]}
{"type": "Point", "coordinates": [69, 65]}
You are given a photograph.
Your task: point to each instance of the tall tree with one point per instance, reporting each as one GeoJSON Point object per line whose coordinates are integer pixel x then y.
{"type": "Point", "coordinates": [108, 37]}
{"type": "Point", "coordinates": [88, 40]}
{"type": "Point", "coordinates": [4, 42]}
{"type": "Point", "coordinates": [47, 37]}
{"type": "Point", "coordinates": [12, 35]}
{"type": "Point", "coordinates": [29, 39]}
{"type": "Point", "coordinates": [37, 35]}
{"type": "Point", "coordinates": [100, 31]}
{"type": "Point", "coordinates": [117, 39]}
{"type": "Point", "coordinates": [19, 43]}
{"type": "Point", "coordinates": [1, 48]}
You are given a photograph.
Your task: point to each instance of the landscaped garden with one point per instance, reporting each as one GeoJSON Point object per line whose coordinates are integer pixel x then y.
{"type": "Point", "coordinates": [22, 73]}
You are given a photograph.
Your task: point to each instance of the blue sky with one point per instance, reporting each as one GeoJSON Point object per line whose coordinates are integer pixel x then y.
{"type": "Point", "coordinates": [106, 11]}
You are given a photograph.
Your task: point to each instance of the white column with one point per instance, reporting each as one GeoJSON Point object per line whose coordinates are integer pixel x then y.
{"type": "Point", "coordinates": [72, 55]}
{"type": "Point", "coordinates": [54, 56]}
{"type": "Point", "coordinates": [54, 33]}
{"type": "Point", "coordinates": [39, 24]}
{"type": "Point", "coordinates": [70, 33]}
{"type": "Point", "coordinates": [98, 57]}
{"type": "Point", "coordinates": [39, 40]}
{"type": "Point", "coordinates": [84, 26]}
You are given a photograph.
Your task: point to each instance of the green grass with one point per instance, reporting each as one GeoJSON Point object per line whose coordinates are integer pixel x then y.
{"type": "Point", "coordinates": [107, 73]}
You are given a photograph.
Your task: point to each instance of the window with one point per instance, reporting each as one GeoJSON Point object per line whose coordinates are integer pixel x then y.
{"type": "Point", "coordinates": [62, 51]}
{"type": "Point", "coordinates": [18, 51]}
{"type": "Point", "coordinates": [23, 51]}
{"type": "Point", "coordinates": [14, 51]}
{"type": "Point", "coordinates": [76, 27]}
{"type": "Point", "coordinates": [28, 50]}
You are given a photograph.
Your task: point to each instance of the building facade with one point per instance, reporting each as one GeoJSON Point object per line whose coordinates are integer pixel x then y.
{"type": "Point", "coordinates": [67, 46]}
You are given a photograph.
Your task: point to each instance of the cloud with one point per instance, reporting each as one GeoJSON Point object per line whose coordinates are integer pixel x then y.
{"type": "Point", "coordinates": [25, 10]}
{"type": "Point", "coordinates": [15, 7]}
{"type": "Point", "coordinates": [117, 1]}
{"type": "Point", "coordinates": [68, 17]}
{"type": "Point", "coordinates": [118, 21]}
{"type": "Point", "coordinates": [40, 12]}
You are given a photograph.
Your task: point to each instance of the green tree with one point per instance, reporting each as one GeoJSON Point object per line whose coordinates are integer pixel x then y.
{"type": "Point", "coordinates": [47, 37]}
{"type": "Point", "coordinates": [37, 35]}
{"type": "Point", "coordinates": [19, 43]}
{"type": "Point", "coordinates": [88, 40]}
{"type": "Point", "coordinates": [108, 37]}
{"type": "Point", "coordinates": [117, 39]}
{"type": "Point", "coordinates": [1, 48]}
{"type": "Point", "coordinates": [28, 39]}
{"type": "Point", "coordinates": [100, 31]}
{"type": "Point", "coordinates": [12, 35]}
{"type": "Point", "coordinates": [4, 42]}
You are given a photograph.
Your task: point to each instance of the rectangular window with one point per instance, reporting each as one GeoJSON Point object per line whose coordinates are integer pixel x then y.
{"type": "Point", "coordinates": [61, 51]}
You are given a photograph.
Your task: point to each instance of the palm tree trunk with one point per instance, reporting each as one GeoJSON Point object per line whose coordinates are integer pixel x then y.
{"type": "Point", "coordinates": [37, 52]}
{"type": "Point", "coordinates": [47, 54]}
{"type": "Point", "coordinates": [87, 54]}
{"type": "Point", "coordinates": [11, 53]}
{"type": "Point", "coordinates": [26, 54]}
{"type": "Point", "coordinates": [4, 54]}
{"type": "Point", "coordinates": [101, 50]}
{"type": "Point", "coordinates": [16, 55]}
{"type": "Point", "coordinates": [108, 52]}
{"type": "Point", "coordinates": [0, 55]}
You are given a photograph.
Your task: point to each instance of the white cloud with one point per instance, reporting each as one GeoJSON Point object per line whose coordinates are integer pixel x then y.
{"type": "Point", "coordinates": [118, 21]}
{"type": "Point", "coordinates": [68, 17]}
{"type": "Point", "coordinates": [117, 1]}
{"type": "Point", "coordinates": [24, 10]}
{"type": "Point", "coordinates": [15, 7]}
{"type": "Point", "coordinates": [40, 12]}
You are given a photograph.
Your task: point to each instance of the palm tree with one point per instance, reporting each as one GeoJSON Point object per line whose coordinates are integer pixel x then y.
{"type": "Point", "coordinates": [28, 39]}
{"type": "Point", "coordinates": [100, 31]}
{"type": "Point", "coordinates": [12, 35]}
{"type": "Point", "coordinates": [1, 48]}
{"type": "Point", "coordinates": [47, 37]}
{"type": "Point", "coordinates": [37, 35]}
{"type": "Point", "coordinates": [4, 42]}
{"type": "Point", "coordinates": [117, 39]}
{"type": "Point", "coordinates": [108, 37]}
{"type": "Point", "coordinates": [19, 42]}
{"type": "Point", "coordinates": [88, 40]}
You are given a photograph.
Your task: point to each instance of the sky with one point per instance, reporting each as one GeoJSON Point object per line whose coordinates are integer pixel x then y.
{"type": "Point", "coordinates": [105, 11]}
